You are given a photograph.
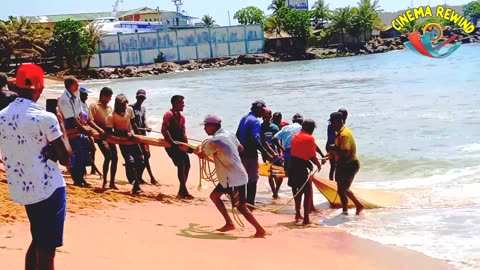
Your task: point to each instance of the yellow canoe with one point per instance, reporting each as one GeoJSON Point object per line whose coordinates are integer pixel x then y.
{"type": "Point", "coordinates": [370, 198]}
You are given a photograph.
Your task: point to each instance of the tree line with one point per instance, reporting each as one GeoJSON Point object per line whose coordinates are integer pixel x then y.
{"type": "Point", "coordinates": [68, 44]}
{"type": "Point", "coordinates": [358, 21]}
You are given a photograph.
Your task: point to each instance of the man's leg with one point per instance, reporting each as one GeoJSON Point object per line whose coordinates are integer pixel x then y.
{"type": "Point", "coordinates": [146, 157]}
{"type": "Point", "coordinates": [45, 258]}
{"type": "Point", "coordinates": [352, 170]}
{"type": "Point", "coordinates": [251, 192]}
{"type": "Point", "coordinates": [342, 193]}
{"type": "Point", "coordinates": [215, 197]}
{"type": "Point", "coordinates": [298, 202]}
{"type": "Point", "coordinates": [31, 257]}
{"type": "Point", "coordinates": [107, 157]}
{"type": "Point", "coordinates": [331, 175]}
{"type": "Point", "coordinates": [278, 183]}
{"type": "Point", "coordinates": [47, 219]}
{"type": "Point", "coordinates": [251, 166]}
{"type": "Point", "coordinates": [242, 208]}
{"type": "Point", "coordinates": [307, 200]}
{"type": "Point", "coordinates": [113, 165]}
{"type": "Point", "coordinates": [271, 182]}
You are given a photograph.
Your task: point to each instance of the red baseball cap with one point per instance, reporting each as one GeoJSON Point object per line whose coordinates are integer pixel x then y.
{"type": "Point", "coordinates": [29, 76]}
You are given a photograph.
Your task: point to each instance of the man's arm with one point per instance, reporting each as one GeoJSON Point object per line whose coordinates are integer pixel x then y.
{"type": "Point", "coordinates": [255, 135]}
{"type": "Point", "coordinates": [147, 127]}
{"type": "Point", "coordinates": [165, 125]}
{"type": "Point", "coordinates": [61, 146]}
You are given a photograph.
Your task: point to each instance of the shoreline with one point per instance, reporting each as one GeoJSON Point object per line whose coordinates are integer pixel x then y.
{"type": "Point", "coordinates": [116, 230]}
{"type": "Point", "coordinates": [374, 46]}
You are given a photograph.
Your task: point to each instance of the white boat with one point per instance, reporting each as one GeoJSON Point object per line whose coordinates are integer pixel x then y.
{"type": "Point", "coordinates": [110, 25]}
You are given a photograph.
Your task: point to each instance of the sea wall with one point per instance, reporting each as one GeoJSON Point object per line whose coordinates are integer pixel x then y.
{"type": "Point", "coordinates": [178, 45]}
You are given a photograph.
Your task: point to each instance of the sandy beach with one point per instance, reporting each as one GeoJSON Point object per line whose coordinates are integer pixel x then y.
{"type": "Point", "coordinates": [115, 230]}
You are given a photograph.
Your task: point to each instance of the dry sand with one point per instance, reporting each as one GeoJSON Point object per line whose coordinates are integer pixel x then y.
{"type": "Point", "coordinates": [115, 230]}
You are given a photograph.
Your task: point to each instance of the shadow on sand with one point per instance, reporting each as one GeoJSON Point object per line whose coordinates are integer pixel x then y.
{"type": "Point", "coordinates": [199, 232]}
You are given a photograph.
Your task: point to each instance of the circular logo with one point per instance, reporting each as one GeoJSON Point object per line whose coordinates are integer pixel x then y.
{"type": "Point", "coordinates": [434, 30]}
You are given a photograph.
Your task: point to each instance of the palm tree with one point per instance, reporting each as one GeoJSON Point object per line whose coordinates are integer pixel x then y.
{"type": "Point", "coordinates": [272, 26]}
{"type": "Point", "coordinates": [342, 21]}
{"type": "Point", "coordinates": [208, 20]}
{"type": "Point", "coordinates": [355, 27]}
{"type": "Point", "coordinates": [320, 13]}
{"type": "Point", "coordinates": [276, 5]}
{"type": "Point", "coordinates": [368, 16]}
{"type": "Point", "coordinates": [19, 38]}
{"type": "Point", "coordinates": [94, 34]}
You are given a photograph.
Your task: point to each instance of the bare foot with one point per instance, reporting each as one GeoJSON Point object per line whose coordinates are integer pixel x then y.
{"type": "Point", "coordinates": [113, 187]}
{"type": "Point", "coordinates": [359, 210]}
{"type": "Point", "coordinates": [260, 234]}
{"type": "Point", "coordinates": [306, 222]}
{"type": "Point", "coordinates": [298, 217]}
{"type": "Point", "coordinates": [154, 182]}
{"type": "Point", "coordinates": [275, 197]}
{"type": "Point", "coordinates": [345, 213]}
{"type": "Point", "coordinates": [226, 228]}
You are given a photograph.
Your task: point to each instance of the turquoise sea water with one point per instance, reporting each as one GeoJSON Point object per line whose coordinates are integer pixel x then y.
{"type": "Point", "coordinates": [416, 123]}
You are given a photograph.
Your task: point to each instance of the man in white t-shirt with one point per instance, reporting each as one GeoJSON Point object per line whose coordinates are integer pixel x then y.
{"type": "Point", "coordinates": [232, 177]}
{"type": "Point", "coordinates": [32, 141]}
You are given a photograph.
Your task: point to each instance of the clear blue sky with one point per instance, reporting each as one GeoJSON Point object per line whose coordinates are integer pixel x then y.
{"type": "Point", "coordinates": [218, 9]}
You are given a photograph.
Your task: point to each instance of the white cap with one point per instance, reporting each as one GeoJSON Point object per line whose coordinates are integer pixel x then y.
{"type": "Point", "coordinates": [212, 119]}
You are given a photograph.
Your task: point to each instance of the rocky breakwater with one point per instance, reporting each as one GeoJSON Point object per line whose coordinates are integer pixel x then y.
{"type": "Point", "coordinates": [168, 67]}
{"type": "Point", "coordinates": [380, 45]}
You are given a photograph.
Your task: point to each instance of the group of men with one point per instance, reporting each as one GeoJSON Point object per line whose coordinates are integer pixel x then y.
{"type": "Point", "coordinates": [33, 140]}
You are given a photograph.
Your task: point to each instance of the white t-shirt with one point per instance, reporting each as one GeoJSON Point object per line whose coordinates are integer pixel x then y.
{"type": "Point", "coordinates": [25, 129]}
{"type": "Point", "coordinates": [223, 147]}
{"type": "Point", "coordinates": [286, 134]}
{"type": "Point", "coordinates": [69, 105]}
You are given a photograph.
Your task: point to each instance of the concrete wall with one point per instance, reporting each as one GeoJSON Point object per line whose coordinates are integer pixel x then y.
{"type": "Point", "coordinates": [176, 45]}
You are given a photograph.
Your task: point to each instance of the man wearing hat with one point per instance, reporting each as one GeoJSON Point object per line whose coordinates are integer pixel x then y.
{"type": "Point", "coordinates": [224, 147]}
{"type": "Point", "coordinates": [345, 152]}
{"type": "Point", "coordinates": [32, 141]}
{"type": "Point", "coordinates": [143, 128]}
{"type": "Point", "coordinates": [84, 115]}
{"type": "Point", "coordinates": [248, 134]}
{"type": "Point", "coordinates": [331, 141]}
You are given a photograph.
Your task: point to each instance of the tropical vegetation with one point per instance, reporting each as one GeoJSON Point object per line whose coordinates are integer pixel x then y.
{"type": "Point", "coordinates": [208, 21]}
{"type": "Point", "coordinates": [249, 15]}
{"type": "Point", "coordinates": [472, 11]}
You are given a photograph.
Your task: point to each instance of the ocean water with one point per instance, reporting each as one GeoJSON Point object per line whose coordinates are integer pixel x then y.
{"type": "Point", "coordinates": [416, 123]}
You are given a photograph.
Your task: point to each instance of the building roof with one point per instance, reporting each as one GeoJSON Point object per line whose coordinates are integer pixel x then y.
{"type": "Point", "coordinates": [95, 15]}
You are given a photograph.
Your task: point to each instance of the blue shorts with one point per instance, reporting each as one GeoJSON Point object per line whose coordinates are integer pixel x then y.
{"type": "Point", "coordinates": [251, 166]}
{"type": "Point", "coordinates": [47, 219]}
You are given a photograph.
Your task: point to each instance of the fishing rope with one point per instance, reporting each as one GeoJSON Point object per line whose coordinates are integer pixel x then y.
{"type": "Point", "coordinates": [310, 176]}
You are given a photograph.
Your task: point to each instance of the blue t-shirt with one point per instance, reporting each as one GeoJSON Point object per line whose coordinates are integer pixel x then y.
{"type": "Point", "coordinates": [248, 134]}
{"type": "Point", "coordinates": [330, 136]}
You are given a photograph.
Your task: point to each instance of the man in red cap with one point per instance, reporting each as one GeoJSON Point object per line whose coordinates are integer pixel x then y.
{"type": "Point", "coordinates": [232, 177]}
{"type": "Point", "coordinates": [32, 141]}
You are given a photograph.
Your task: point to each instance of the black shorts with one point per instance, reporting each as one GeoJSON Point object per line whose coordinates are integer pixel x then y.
{"type": "Point", "coordinates": [345, 172]}
{"type": "Point", "coordinates": [178, 156]}
{"type": "Point", "coordinates": [298, 172]}
{"type": "Point", "coordinates": [47, 219]}
{"type": "Point", "coordinates": [242, 199]}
